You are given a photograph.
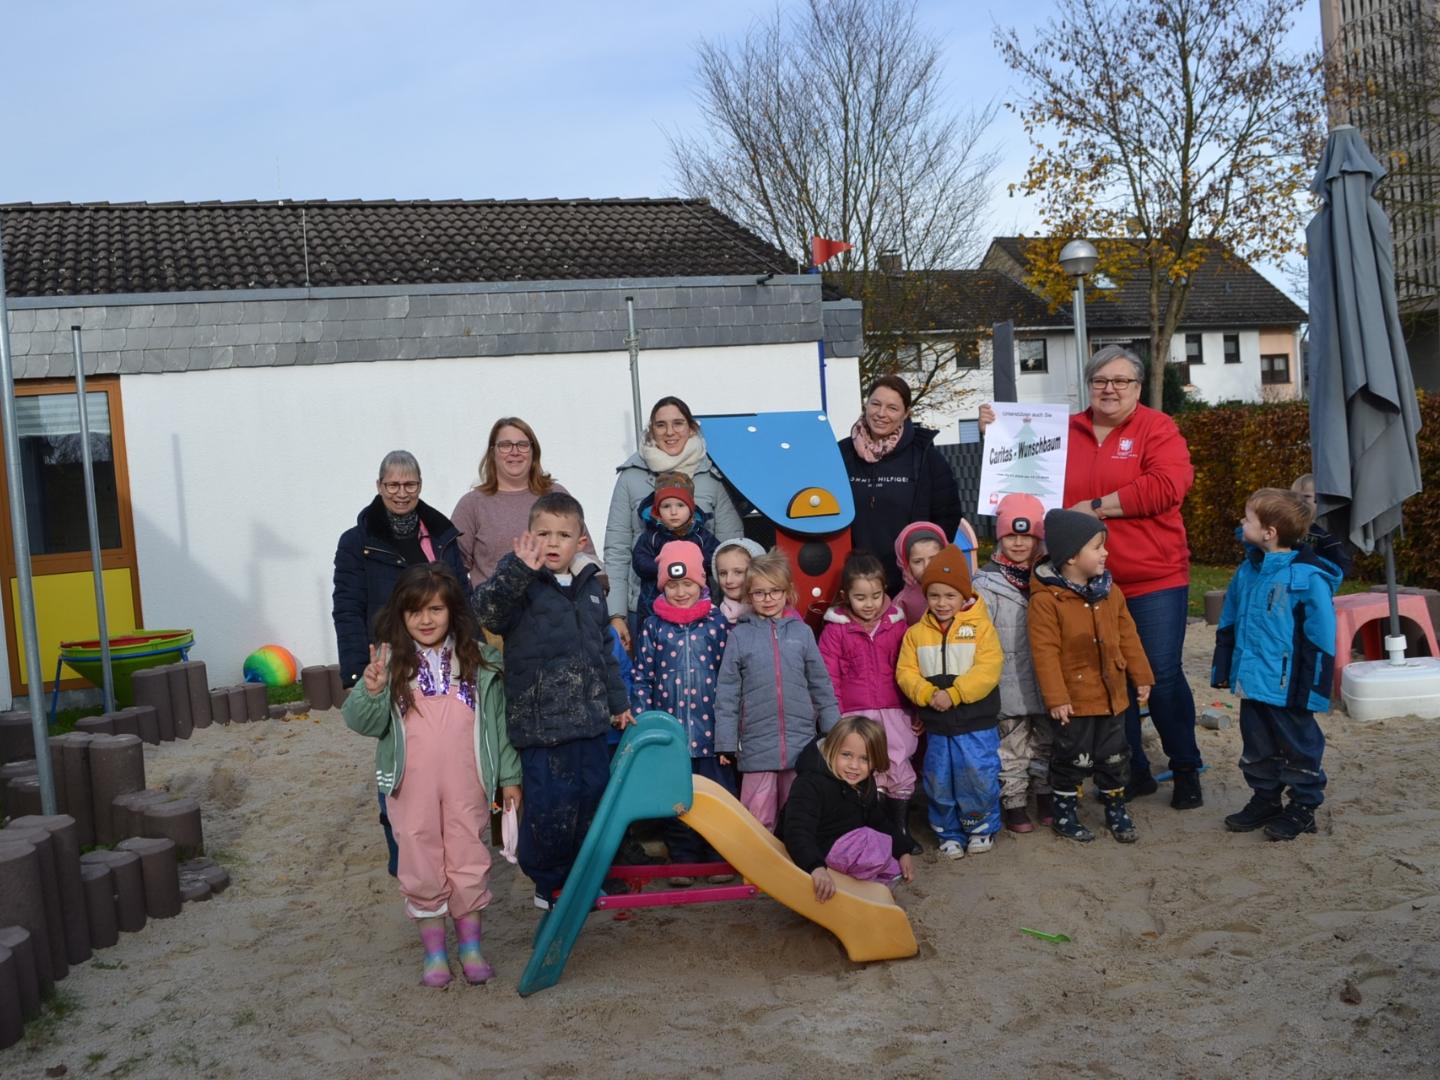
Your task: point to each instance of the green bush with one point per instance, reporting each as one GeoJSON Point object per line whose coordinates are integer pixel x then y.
{"type": "Point", "coordinates": [1238, 448]}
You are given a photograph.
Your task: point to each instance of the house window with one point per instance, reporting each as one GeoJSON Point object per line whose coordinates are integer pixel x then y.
{"type": "Point", "coordinates": [1274, 369]}
{"type": "Point", "coordinates": [48, 426]}
{"type": "Point", "coordinates": [1030, 352]}
{"type": "Point", "coordinates": [1194, 349]}
{"type": "Point", "coordinates": [967, 354]}
{"type": "Point", "coordinates": [1232, 348]}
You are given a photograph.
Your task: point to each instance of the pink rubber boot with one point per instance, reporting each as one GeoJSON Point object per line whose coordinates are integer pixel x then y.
{"type": "Point", "coordinates": [467, 932]}
{"type": "Point", "coordinates": [436, 972]}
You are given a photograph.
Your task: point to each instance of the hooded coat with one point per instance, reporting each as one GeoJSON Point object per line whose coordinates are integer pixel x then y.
{"type": "Point", "coordinates": [963, 660]}
{"type": "Point", "coordinates": [1084, 651]}
{"type": "Point", "coordinates": [822, 808]}
{"type": "Point", "coordinates": [911, 597]}
{"type": "Point", "coordinates": [911, 483]}
{"type": "Point", "coordinates": [367, 566]}
{"type": "Point", "coordinates": [676, 668]}
{"type": "Point", "coordinates": [1010, 612]}
{"type": "Point", "coordinates": [774, 693]}
{"type": "Point", "coordinates": [861, 662]}
{"type": "Point", "coordinates": [645, 557]}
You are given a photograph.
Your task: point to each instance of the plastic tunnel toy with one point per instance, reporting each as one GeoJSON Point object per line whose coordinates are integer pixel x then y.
{"type": "Point", "coordinates": [650, 778]}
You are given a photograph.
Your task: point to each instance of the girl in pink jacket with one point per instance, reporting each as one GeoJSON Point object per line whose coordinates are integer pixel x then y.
{"type": "Point", "coordinates": [860, 644]}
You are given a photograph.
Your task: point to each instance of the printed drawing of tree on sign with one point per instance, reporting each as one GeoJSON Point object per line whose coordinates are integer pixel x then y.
{"type": "Point", "coordinates": [1026, 475]}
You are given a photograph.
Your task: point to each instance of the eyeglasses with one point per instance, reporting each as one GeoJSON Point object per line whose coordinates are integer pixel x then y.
{"type": "Point", "coordinates": [1118, 384]}
{"type": "Point", "coordinates": [766, 594]}
{"type": "Point", "coordinates": [395, 487]}
{"type": "Point", "coordinates": [517, 446]}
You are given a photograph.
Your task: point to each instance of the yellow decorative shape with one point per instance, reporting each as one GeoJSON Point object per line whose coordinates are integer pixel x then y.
{"type": "Point", "coordinates": [813, 502]}
{"type": "Point", "coordinates": [65, 611]}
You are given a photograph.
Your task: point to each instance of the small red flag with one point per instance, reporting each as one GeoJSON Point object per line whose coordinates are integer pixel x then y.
{"type": "Point", "coordinates": [822, 250]}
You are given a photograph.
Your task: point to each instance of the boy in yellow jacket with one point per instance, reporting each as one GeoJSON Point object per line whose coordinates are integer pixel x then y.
{"type": "Point", "coordinates": [949, 666]}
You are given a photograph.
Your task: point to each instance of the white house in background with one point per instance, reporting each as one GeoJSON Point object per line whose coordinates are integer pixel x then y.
{"type": "Point", "coordinates": [248, 365]}
{"type": "Point", "coordinates": [1238, 341]}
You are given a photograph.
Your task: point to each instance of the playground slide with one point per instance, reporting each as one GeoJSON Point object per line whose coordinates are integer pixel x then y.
{"type": "Point", "coordinates": [862, 914]}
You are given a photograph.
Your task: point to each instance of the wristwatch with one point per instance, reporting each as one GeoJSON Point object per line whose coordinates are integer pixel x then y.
{"type": "Point", "coordinates": [1096, 504]}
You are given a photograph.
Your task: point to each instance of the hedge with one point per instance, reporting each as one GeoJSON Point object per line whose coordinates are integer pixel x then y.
{"type": "Point", "coordinates": [1238, 448]}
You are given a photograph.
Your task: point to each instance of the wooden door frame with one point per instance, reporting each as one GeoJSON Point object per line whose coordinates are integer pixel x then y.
{"type": "Point", "coordinates": [123, 557]}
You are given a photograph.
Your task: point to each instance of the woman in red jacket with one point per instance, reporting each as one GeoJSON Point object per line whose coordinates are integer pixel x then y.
{"type": "Point", "coordinates": [1128, 465]}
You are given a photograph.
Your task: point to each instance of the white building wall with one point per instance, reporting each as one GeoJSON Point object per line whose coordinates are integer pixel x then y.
{"type": "Point", "coordinates": [242, 480]}
{"type": "Point", "coordinates": [977, 386]}
{"type": "Point", "coordinates": [1216, 381]}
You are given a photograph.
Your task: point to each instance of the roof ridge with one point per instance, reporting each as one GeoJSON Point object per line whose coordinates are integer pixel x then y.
{"type": "Point", "coordinates": [228, 204]}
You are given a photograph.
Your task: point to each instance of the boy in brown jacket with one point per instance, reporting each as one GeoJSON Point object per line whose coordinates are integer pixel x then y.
{"type": "Point", "coordinates": [1084, 645]}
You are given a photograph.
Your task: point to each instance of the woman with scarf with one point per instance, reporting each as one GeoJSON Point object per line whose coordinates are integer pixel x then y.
{"type": "Point", "coordinates": [395, 531]}
{"type": "Point", "coordinates": [673, 443]}
{"type": "Point", "coordinates": [896, 475]}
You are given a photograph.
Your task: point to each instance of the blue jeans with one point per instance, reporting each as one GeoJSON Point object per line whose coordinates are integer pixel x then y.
{"type": "Point", "coordinates": [1282, 748]}
{"type": "Point", "coordinates": [962, 784]}
{"type": "Point", "coordinates": [1160, 620]}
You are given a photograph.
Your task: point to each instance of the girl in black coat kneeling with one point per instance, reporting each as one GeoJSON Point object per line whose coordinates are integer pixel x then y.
{"type": "Point", "coordinates": [835, 818]}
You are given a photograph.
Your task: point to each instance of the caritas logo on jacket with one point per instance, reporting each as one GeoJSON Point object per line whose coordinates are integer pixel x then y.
{"type": "Point", "coordinates": [1125, 449]}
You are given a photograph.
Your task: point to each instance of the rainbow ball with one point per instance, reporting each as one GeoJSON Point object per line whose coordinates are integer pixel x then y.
{"type": "Point", "coordinates": [273, 665]}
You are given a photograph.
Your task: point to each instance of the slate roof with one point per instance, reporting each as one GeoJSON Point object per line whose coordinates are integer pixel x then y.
{"type": "Point", "coordinates": [1224, 293]}
{"type": "Point", "coordinates": [969, 299]}
{"type": "Point", "coordinates": [75, 249]}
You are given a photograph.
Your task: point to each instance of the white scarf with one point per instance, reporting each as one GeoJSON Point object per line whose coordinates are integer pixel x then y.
{"type": "Point", "coordinates": [687, 461]}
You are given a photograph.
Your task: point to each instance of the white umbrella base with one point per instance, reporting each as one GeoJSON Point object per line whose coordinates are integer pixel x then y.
{"type": "Point", "coordinates": [1379, 690]}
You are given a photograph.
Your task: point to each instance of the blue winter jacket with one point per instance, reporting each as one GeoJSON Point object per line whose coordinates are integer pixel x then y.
{"type": "Point", "coordinates": [774, 693]}
{"type": "Point", "coordinates": [677, 668]}
{"type": "Point", "coordinates": [645, 556]}
{"type": "Point", "coordinates": [561, 679]}
{"type": "Point", "coordinates": [1276, 638]}
{"type": "Point", "coordinates": [367, 566]}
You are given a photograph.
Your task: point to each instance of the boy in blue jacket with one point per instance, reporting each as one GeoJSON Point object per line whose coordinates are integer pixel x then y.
{"type": "Point", "coordinates": [562, 684]}
{"type": "Point", "coordinates": [1275, 648]}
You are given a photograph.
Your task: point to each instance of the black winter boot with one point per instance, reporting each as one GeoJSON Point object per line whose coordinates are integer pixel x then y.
{"type": "Point", "coordinates": [901, 809]}
{"type": "Point", "coordinates": [1142, 782]}
{"type": "Point", "coordinates": [1117, 818]}
{"type": "Point", "coordinates": [1263, 807]}
{"type": "Point", "coordinates": [1067, 817]}
{"type": "Point", "coordinates": [1187, 794]}
{"type": "Point", "coordinates": [1297, 818]}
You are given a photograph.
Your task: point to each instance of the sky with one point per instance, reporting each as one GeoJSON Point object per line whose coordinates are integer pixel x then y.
{"type": "Point", "coordinates": [129, 100]}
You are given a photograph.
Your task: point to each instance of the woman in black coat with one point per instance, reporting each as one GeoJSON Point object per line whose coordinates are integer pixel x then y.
{"type": "Point", "coordinates": [394, 532]}
{"type": "Point", "coordinates": [896, 475]}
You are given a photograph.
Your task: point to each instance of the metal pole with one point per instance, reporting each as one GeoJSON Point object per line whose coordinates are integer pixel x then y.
{"type": "Point", "coordinates": [824, 394]}
{"type": "Point", "coordinates": [15, 484]}
{"type": "Point", "coordinates": [1395, 641]}
{"type": "Point", "coordinates": [633, 341]}
{"type": "Point", "coordinates": [92, 514]}
{"type": "Point", "coordinates": [1082, 344]}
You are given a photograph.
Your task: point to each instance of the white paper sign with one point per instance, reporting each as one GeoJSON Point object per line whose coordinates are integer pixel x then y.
{"type": "Point", "coordinates": [1025, 452]}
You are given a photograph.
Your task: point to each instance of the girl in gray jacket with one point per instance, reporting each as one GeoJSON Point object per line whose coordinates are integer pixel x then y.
{"type": "Point", "coordinates": [774, 692]}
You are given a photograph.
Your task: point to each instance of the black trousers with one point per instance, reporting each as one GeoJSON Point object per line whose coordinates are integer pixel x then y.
{"type": "Point", "coordinates": [1089, 746]}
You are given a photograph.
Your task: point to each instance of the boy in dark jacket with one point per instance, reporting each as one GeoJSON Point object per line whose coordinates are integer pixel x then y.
{"type": "Point", "coordinates": [1274, 648]}
{"type": "Point", "coordinates": [562, 685]}
{"type": "Point", "coordinates": [670, 514]}
{"type": "Point", "coordinates": [1326, 545]}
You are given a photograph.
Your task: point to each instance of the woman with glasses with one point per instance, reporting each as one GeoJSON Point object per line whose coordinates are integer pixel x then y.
{"type": "Point", "coordinates": [896, 476]}
{"type": "Point", "coordinates": [1128, 465]}
{"type": "Point", "coordinates": [497, 509]}
{"type": "Point", "coordinates": [397, 530]}
{"type": "Point", "coordinates": [673, 443]}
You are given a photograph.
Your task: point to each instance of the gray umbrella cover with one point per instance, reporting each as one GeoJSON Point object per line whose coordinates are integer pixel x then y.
{"type": "Point", "coordinates": [1364, 417]}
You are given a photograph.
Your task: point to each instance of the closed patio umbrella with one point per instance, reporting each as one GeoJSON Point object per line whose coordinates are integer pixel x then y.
{"type": "Point", "coordinates": [1364, 417]}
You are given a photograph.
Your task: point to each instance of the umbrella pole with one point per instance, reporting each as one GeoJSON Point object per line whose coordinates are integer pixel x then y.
{"type": "Point", "coordinates": [1395, 640]}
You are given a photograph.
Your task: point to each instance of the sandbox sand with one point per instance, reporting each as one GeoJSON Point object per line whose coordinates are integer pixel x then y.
{"type": "Point", "coordinates": [1194, 953]}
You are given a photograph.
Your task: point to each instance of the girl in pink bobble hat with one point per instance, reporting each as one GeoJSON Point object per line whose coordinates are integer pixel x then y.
{"type": "Point", "coordinates": [677, 667]}
{"type": "Point", "coordinates": [1004, 584]}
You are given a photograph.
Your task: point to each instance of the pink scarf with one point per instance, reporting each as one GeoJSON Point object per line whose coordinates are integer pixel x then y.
{"type": "Point", "coordinates": [682, 616]}
{"type": "Point", "coordinates": [868, 447]}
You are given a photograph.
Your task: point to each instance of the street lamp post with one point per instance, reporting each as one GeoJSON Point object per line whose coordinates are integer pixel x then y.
{"type": "Point", "coordinates": [1078, 258]}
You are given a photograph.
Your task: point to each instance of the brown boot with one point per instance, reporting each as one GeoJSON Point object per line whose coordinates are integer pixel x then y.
{"type": "Point", "coordinates": [1016, 819]}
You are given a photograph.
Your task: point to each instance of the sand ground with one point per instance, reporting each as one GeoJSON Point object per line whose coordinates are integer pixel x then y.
{"type": "Point", "coordinates": [1194, 953]}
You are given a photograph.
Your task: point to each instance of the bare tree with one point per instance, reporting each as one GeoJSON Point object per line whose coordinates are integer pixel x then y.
{"type": "Point", "coordinates": [1185, 127]}
{"type": "Point", "coordinates": [828, 120]}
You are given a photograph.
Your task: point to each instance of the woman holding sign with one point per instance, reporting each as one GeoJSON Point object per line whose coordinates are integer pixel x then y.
{"type": "Point", "coordinates": [1128, 465]}
{"type": "Point", "coordinates": [896, 475]}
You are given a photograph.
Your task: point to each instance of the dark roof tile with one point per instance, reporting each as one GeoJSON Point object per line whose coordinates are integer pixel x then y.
{"type": "Point", "coordinates": [72, 249]}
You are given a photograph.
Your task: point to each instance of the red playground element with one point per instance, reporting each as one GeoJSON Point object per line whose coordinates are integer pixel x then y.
{"type": "Point", "coordinates": [816, 561]}
{"type": "Point", "coordinates": [635, 878]}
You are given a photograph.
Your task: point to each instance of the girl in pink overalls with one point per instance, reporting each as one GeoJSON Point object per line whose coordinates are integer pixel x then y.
{"type": "Point", "coordinates": [432, 695]}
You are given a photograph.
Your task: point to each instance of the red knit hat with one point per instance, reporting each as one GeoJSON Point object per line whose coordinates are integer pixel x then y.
{"type": "Point", "coordinates": [680, 560]}
{"type": "Point", "coordinates": [1020, 515]}
{"type": "Point", "coordinates": [948, 568]}
{"type": "Point", "coordinates": [674, 485]}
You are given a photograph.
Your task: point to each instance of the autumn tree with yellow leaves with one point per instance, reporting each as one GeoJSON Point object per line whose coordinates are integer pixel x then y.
{"type": "Point", "coordinates": [1164, 130]}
